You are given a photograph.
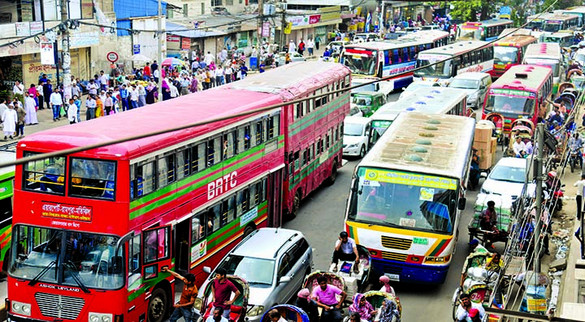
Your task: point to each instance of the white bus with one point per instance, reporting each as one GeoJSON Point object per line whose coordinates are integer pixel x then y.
{"type": "Point", "coordinates": [428, 100]}
{"type": "Point", "coordinates": [476, 56]}
{"type": "Point", "coordinates": [577, 11]}
{"type": "Point", "coordinates": [407, 195]}
{"type": "Point", "coordinates": [550, 55]}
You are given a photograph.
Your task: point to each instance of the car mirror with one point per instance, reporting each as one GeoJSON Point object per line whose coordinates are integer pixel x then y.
{"type": "Point", "coordinates": [483, 175]}
{"type": "Point", "coordinates": [462, 202]}
{"type": "Point", "coordinates": [284, 279]}
{"type": "Point", "coordinates": [207, 269]}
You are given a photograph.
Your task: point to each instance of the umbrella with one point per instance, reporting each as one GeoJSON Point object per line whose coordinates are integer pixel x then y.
{"type": "Point", "coordinates": [172, 62]}
{"type": "Point", "coordinates": [139, 58]}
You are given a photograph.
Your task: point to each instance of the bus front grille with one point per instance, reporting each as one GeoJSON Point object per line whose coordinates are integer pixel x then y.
{"type": "Point", "coordinates": [396, 243]}
{"type": "Point", "coordinates": [394, 256]}
{"type": "Point", "coordinates": [59, 306]}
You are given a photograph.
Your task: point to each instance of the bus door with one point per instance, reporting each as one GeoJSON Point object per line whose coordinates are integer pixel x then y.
{"type": "Point", "coordinates": [136, 284]}
{"type": "Point", "coordinates": [156, 252]}
{"type": "Point", "coordinates": [275, 200]}
{"type": "Point", "coordinates": [181, 243]}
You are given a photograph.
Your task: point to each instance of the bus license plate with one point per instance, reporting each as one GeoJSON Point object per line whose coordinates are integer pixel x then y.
{"type": "Point", "coordinates": [393, 277]}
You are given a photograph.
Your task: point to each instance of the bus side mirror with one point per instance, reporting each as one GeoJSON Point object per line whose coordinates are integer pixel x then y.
{"type": "Point", "coordinates": [462, 202]}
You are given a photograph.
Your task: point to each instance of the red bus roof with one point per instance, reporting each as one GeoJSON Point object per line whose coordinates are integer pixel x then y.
{"type": "Point", "coordinates": [183, 110]}
{"type": "Point", "coordinates": [523, 77]}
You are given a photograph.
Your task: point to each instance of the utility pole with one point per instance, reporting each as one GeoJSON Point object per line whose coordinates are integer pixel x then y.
{"type": "Point", "coordinates": [65, 48]}
{"type": "Point", "coordinates": [159, 54]}
{"type": "Point", "coordinates": [538, 162]}
{"type": "Point", "coordinates": [260, 28]}
{"type": "Point", "coordinates": [282, 34]}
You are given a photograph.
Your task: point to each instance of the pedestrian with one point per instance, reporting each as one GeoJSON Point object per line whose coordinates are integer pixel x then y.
{"type": "Point", "coordinates": [173, 90]}
{"type": "Point", "coordinates": [184, 308]}
{"type": "Point", "coordinates": [219, 77]}
{"type": "Point", "coordinates": [151, 91]}
{"type": "Point", "coordinates": [301, 47]}
{"type": "Point", "coordinates": [154, 67]}
{"type": "Point", "coordinates": [104, 81]}
{"type": "Point", "coordinates": [185, 85]}
{"type": "Point", "coordinates": [345, 250]}
{"type": "Point", "coordinates": [90, 105]}
{"type": "Point", "coordinates": [194, 84]}
{"type": "Point", "coordinates": [243, 71]}
{"type": "Point", "coordinates": [3, 107]}
{"type": "Point", "coordinates": [31, 111]}
{"type": "Point", "coordinates": [99, 107]}
{"type": "Point", "coordinates": [156, 75]}
{"type": "Point", "coordinates": [47, 91]}
{"type": "Point", "coordinates": [208, 58]}
{"type": "Point", "coordinates": [77, 102]}
{"type": "Point", "coordinates": [222, 290]}
{"type": "Point", "coordinates": [40, 97]}
{"type": "Point", "coordinates": [317, 41]}
{"type": "Point", "coordinates": [386, 287]}
{"type": "Point", "coordinates": [310, 46]}
{"type": "Point", "coordinates": [9, 119]}
{"type": "Point", "coordinates": [133, 97]}
{"type": "Point", "coordinates": [141, 96]}
{"type": "Point", "coordinates": [326, 297]}
{"type": "Point", "coordinates": [72, 112]}
{"type": "Point", "coordinates": [18, 88]}
{"type": "Point", "coordinates": [92, 87]}
{"type": "Point", "coordinates": [579, 198]}
{"type": "Point", "coordinates": [292, 47]}
{"type": "Point", "coordinates": [207, 79]}
{"type": "Point", "coordinates": [108, 104]}
{"type": "Point", "coordinates": [33, 90]}
{"type": "Point", "coordinates": [124, 95]}
{"type": "Point", "coordinates": [216, 316]}
{"type": "Point", "coordinates": [56, 101]}
{"type": "Point", "coordinates": [21, 114]}
{"type": "Point", "coordinates": [147, 72]}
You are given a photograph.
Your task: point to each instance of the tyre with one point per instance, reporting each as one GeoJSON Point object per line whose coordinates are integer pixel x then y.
{"type": "Point", "coordinates": [249, 229]}
{"type": "Point", "coordinates": [295, 206]}
{"type": "Point", "coordinates": [363, 152]}
{"type": "Point", "coordinates": [158, 306]}
{"type": "Point", "coordinates": [333, 176]}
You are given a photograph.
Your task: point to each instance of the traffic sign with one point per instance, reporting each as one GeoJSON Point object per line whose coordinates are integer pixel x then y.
{"type": "Point", "coordinates": [112, 57]}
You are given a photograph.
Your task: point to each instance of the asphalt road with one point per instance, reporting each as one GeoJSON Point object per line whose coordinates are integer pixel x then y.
{"type": "Point", "coordinates": [320, 218]}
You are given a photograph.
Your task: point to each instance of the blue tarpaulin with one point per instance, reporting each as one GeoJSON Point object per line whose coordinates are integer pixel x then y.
{"type": "Point", "coordinates": [125, 9]}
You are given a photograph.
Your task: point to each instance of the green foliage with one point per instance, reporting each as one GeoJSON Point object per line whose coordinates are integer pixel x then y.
{"type": "Point", "coordinates": [560, 4]}
{"type": "Point", "coordinates": [468, 10]}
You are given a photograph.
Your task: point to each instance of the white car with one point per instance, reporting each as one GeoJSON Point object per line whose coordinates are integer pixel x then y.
{"type": "Point", "coordinates": [356, 136]}
{"type": "Point", "coordinates": [475, 84]}
{"type": "Point", "coordinates": [507, 178]}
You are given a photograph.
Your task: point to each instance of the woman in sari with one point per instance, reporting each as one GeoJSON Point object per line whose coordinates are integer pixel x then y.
{"type": "Point", "coordinates": [362, 307]}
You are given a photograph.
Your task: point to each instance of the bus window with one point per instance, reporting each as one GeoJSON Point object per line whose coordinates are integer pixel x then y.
{"type": "Point", "coordinates": [242, 202]}
{"type": "Point", "coordinates": [166, 170]}
{"type": "Point", "coordinates": [213, 151]}
{"type": "Point", "coordinates": [47, 175]}
{"type": "Point", "coordinates": [387, 60]}
{"type": "Point", "coordinates": [183, 161]}
{"type": "Point", "coordinates": [213, 219]}
{"type": "Point", "coordinates": [305, 157]}
{"type": "Point", "coordinates": [262, 190]}
{"type": "Point", "coordinates": [396, 56]}
{"type": "Point", "coordinates": [156, 244]}
{"type": "Point", "coordinates": [253, 196]}
{"type": "Point", "coordinates": [231, 209]}
{"type": "Point", "coordinates": [198, 156]}
{"type": "Point", "coordinates": [92, 178]}
{"type": "Point", "coordinates": [324, 98]}
{"type": "Point", "coordinates": [134, 258]}
{"type": "Point", "coordinates": [197, 228]}
{"type": "Point", "coordinates": [274, 126]}
{"type": "Point", "coordinates": [299, 110]}
{"type": "Point", "coordinates": [229, 147]}
{"type": "Point", "coordinates": [143, 181]}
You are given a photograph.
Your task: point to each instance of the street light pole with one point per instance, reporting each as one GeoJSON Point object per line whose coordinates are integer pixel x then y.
{"type": "Point", "coordinates": [159, 55]}
{"type": "Point", "coordinates": [66, 65]}
{"type": "Point", "coordinates": [260, 27]}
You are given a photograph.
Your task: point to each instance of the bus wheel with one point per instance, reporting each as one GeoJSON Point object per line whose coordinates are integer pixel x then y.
{"type": "Point", "coordinates": [331, 180]}
{"type": "Point", "coordinates": [157, 306]}
{"type": "Point", "coordinates": [295, 206]}
{"type": "Point", "coordinates": [249, 229]}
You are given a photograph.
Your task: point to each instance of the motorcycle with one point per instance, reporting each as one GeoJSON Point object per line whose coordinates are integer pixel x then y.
{"type": "Point", "coordinates": [575, 158]}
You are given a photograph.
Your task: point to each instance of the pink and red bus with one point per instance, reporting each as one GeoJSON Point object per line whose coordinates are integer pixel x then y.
{"type": "Point", "coordinates": [522, 92]}
{"type": "Point", "coordinates": [93, 229]}
{"type": "Point", "coordinates": [508, 52]}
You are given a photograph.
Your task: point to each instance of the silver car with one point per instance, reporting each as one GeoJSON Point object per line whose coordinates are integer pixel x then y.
{"type": "Point", "coordinates": [274, 262]}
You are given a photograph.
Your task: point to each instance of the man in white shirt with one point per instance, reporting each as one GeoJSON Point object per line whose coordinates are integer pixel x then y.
{"type": "Point", "coordinates": [18, 88]}
{"type": "Point", "coordinates": [580, 186]}
{"type": "Point", "coordinates": [133, 97]}
{"type": "Point", "coordinates": [292, 47]}
{"type": "Point", "coordinates": [310, 46]}
{"type": "Point", "coordinates": [217, 316]}
{"type": "Point", "coordinates": [174, 90]}
{"type": "Point", "coordinates": [92, 87]}
{"type": "Point", "coordinates": [208, 58]}
{"type": "Point", "coordinates": [55, 100]}
{"type": "Point", "coordinates": [3, 106]}
{"type": "Point", "coordinates": [91, 106]}
{"type": "Point", "coordinates": [465, 306]}
{"type": "Point", "coordinates": [104, 80]}
{"type": "Point", "coordinates": [519, 147]}
{"type": "Point", "coordinates": [219, 80]}
{"type": "Point", "coordinates": [345, 250]}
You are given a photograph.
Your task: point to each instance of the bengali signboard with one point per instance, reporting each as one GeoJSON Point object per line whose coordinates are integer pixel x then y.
{"type": "Point", "coordinates": [66, 211]}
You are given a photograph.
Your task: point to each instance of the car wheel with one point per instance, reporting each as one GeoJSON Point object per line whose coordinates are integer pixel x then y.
{"type": "Point", "coordinates": [363, 152]}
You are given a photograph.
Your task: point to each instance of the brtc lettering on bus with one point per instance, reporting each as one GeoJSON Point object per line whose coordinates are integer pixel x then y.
{"type": "Point", "coordinates": [222, 185]}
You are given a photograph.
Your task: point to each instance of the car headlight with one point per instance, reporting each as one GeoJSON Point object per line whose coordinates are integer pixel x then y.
{"type": "Point", "coordinates": [21, 308]}
{"type": "Point", "coordinates": [353, 146]}
{"type": "Point", "coordinates": [198, 303]}
{"type": "Point", "coordinates": [100, 317]}
{"type": "Point", "coordinates": [482, 190]}
{"type": "Point", "coordinates": [472, 97]}
{"type": "Point", "coordinates": [256, 310]}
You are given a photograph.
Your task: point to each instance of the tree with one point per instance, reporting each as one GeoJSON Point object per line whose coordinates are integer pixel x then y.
{"type": "Point", "coordinates": [560, 4]}
{"type": "Point", "coordinates": [468, 10]}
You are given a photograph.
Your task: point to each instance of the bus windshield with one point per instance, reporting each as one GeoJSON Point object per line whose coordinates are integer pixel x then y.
{"type": "Point", "coordinates": [441, 69]}
{"type": "Point", "coordinates": [511, 106]}
{"type": "Point", "coordinates": [66, 257]}
{"type": "Point", "coordinates": [361, 64]}
{"type": "Point", "coordinates": [469, 34]}
{"type": "Point", "coordinates": [403, 200]}
{"type": "Point", "coordinates": [552, 27]}
{"type": "Point", "coordinates": [505, 55]}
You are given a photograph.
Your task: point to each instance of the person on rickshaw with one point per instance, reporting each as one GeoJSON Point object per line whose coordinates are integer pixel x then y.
{"type": "Point", "coordinates": [488, 222]}
{"type": "Point", "coordinates": [463, 311]}
{"type": "Point", "coordinates": [494, 263]}
{"type": "Point", "coordinates": [555, 114]}
{"type": "Point", "coordinates": [519, 147]}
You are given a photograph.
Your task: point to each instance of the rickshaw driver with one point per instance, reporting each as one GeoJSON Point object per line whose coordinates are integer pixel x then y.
{"type": "Point", "coordinates": [488, 221]}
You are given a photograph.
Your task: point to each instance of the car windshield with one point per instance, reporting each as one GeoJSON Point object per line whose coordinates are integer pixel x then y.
{"type": "Point", "coordinates": [510, 106]}
{"type": "Point", "coordinates": [362, 100]}
{"type": "Point", "coordinates": [364, 64]}
{"type": "Point", "coordinates": [253, 270]}
{"type": "Point", "coordinates": [403, 200]}
{"type": "Point", "coordinates": [552, 27]}
{"type": "Point", "coordinates": [508, 174]}
{"type": "Point", "coordinates": [505, 55]}
{"type": "Point", "coordinates": [353, 129]}
{"type": "Point", "coordinates": [439, 70]}
{"type": "Point", "coordinates": [66, 258]}
{"type": "Point", "coordinates": [464, 83]}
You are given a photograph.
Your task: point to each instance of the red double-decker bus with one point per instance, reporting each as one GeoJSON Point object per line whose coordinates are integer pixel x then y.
{"type": "Point", "coordinates": [93, 229]}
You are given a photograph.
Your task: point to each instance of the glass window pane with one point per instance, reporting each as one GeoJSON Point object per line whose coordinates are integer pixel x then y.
{"type": "Point", "coordinates": [253, 196]}
{"type": "Point", "coordinates": [241, 140]}
{"type": "Point", "coordinates": [197, 229]}
{"type": "Point", "coordinates": [231, 209]}
{"type": "Point", "coordinates": [47, 175]}
{"type": "Point", "coordinates": [182, 164]}
{"type": "Point", "coordinates": [254, 135]}
{"type": "Point", "coordinates": [162, 243]}
{"type": "Point", "coordinates": [150, 246]}
{"type": "Point", "coordinates": [93, 178]}
{"type": "Point", "coordinates": [213, 219]}
{"type": "Point", "coordinates": [163, 170]}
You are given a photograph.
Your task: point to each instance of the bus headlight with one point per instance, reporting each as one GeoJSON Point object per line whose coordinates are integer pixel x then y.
{"type": "Point", "coordinates": [437, 260]}
{"type": "Point", "coordinates": [198, 303]}
{"type": "Point", "coordinates": [100, 317]}
{"type": "Point", "coordinates": [21, 308]}
{"type": "Point", "coordinates": [256, 310]}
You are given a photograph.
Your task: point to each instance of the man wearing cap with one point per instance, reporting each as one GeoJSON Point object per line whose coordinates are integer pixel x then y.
{"type": "Point", "coordinates": [345, 250]}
